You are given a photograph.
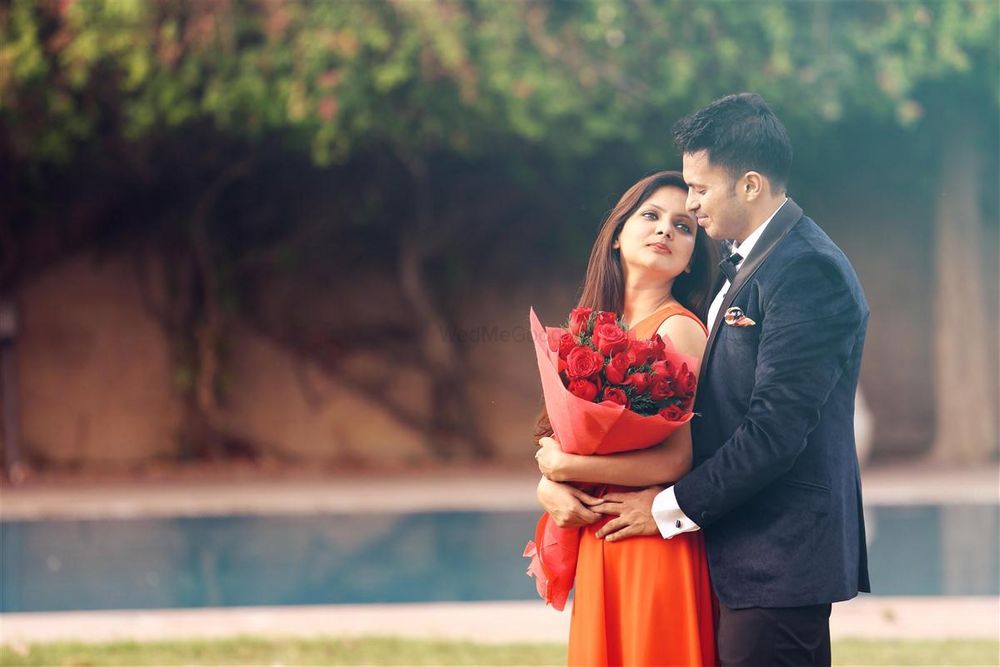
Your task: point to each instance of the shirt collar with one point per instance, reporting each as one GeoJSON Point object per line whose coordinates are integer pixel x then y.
{"type": "Point", "coordinates": [747, 246]}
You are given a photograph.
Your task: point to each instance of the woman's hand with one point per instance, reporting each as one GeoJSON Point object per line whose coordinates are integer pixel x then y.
{"type": "Point", "coordinates": [566, 504]}
{"type": "Point", "coordinates": [552, 460]}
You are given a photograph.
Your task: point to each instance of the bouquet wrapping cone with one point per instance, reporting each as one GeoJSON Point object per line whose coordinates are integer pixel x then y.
{"type": "Point", "coordinates": [586, 428]}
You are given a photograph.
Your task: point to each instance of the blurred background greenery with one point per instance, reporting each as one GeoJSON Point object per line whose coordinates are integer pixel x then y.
{"type": "Point", "coordinates": [310, 232]}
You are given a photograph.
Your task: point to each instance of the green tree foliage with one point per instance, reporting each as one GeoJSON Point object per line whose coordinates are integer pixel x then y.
{"type": "Point", "coordinates": [460, 76]}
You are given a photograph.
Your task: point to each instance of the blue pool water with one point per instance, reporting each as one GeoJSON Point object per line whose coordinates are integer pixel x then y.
{"type": "Point", "coordinates": [440, 556]}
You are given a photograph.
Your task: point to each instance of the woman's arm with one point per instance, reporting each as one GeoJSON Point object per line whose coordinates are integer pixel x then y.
{"type": "Point", "coordinates": [666, 462]}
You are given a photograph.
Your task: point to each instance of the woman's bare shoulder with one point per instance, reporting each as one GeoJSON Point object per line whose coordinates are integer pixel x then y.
{"type": "Point", "coordinates": [686, 334]}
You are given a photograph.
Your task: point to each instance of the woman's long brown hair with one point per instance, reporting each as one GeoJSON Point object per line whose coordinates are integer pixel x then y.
{"type": "Point", "coordinates": [604, 284]}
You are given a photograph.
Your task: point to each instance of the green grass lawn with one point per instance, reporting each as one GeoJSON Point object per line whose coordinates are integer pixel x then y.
{"type": "Point", "coordinates": [393, 651]}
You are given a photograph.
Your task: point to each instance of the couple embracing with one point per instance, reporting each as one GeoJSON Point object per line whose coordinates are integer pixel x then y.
{"type": "Point", "coordinates": [728, 542]}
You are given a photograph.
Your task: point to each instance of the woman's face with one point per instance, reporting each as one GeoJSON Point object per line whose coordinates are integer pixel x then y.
{"type": "Point", "coordinates": [658, 239]}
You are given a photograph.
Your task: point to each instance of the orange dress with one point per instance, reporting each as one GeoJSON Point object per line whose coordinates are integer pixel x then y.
{"type": "Point", "coordinates": [644, 600]}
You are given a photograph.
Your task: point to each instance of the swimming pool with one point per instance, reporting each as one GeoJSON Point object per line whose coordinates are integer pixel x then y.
{"type": "Point", "coordinates": [390, 557]}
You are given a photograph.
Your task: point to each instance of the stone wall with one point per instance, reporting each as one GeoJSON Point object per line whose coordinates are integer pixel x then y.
{"type": "Point", "coordinates": [97, 386]}
{"type": "Point", "coordinates": [93, 367]}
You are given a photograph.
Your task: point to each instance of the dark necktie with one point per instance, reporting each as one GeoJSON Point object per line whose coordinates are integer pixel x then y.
{"type": "Point", "coordinates": [728, 266]}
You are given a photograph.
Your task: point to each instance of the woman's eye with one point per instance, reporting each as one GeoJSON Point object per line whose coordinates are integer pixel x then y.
{"type": "Point", "coordinates": [649, 215]}
{"type": "Point", "coordinates": [684, 227]}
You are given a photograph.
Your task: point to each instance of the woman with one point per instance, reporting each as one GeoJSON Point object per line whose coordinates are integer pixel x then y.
{"type": "Point", "coordinates": [644, 600]}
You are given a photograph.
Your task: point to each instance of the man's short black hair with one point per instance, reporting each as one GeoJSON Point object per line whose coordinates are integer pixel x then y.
{"type": "Point", "coordinates": [741, 134]}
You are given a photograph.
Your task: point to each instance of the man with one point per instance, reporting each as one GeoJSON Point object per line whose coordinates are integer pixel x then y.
{"type": "Point", "coordinates": [775, 486]}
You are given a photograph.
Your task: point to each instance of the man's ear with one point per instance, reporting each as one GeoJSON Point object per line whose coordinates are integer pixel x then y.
{"type": "Point", "coordinates": [753, 185]}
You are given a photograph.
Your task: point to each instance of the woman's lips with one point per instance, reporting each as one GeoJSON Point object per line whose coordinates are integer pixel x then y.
{"type": "Point", "coordinates": [659, 247]}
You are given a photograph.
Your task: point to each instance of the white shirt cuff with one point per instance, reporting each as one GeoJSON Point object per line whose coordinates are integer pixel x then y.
{"type": "Point", "coordinates": [668, 515]}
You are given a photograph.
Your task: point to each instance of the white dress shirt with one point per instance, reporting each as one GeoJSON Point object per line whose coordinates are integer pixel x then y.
{"type": "Point", "coordinates": [666, 512]}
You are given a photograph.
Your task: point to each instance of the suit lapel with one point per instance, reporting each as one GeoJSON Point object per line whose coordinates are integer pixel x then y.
{"type": "Point", "coordinates": [779, 226]}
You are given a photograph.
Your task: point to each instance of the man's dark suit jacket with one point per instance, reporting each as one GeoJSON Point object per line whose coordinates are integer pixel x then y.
{"type": "Point", "coordinates": [776, 487]}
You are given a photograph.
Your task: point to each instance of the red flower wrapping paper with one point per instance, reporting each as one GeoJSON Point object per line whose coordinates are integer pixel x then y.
{"type": "Point", "coordinates": [582, 427]}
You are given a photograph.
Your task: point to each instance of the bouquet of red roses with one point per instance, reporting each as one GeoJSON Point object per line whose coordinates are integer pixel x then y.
{"type": "Point", "coordinates": [605, 392]}
{"type": "Point", "coordinates": [598, 360]}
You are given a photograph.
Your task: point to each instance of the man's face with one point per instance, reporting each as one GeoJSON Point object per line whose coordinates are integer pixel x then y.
{"type": "Point", "coordinates": [713, 199]}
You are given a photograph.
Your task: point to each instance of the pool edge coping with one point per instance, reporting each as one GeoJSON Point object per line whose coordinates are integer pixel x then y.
{"type": "Point", "coordinates": [421, 493]}
{"type": "Point", "coordinates": [866, 617]}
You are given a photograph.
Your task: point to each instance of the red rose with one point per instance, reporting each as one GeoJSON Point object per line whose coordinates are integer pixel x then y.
{"type": "Point", "coordinates": [662, 367]}
{"type": "Point", "coordinates": [661, 386]}
{"type": "Point", "coordinates": [582, 362]}
{"type": "Point", "coordinates": [578, 318]}
{"type": "Point", "coordinates": [659, 347]}
{"type": "Point", "coordinates": [617, 368]}
{"type": "Point", "coordinates": [606, 317]}
{"type": "Point", "coordinates": [584, 389]}
{"type": "Point", "coordinates": [687, 383]}
{"type": "Point", "coordinates": [610, 339]}
{"type": "Point", "coordinates": [616, 395]}
{"type": "Point", "coordinates": [566, 343]}
{"type": "Point", "coordinates": [640, 350]}
{"type": "Point", "coordinates": [672, 413]}
{"type": "Point", "coordinates": [638, 380]}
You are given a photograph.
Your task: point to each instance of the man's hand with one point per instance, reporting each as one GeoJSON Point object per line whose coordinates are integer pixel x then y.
{"type": "Point", "coordinates": [551, 459]}
{"type": "Point", "coordinates": [634, 510]}
{"type": "Point", "coordinates": [566, 504]}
